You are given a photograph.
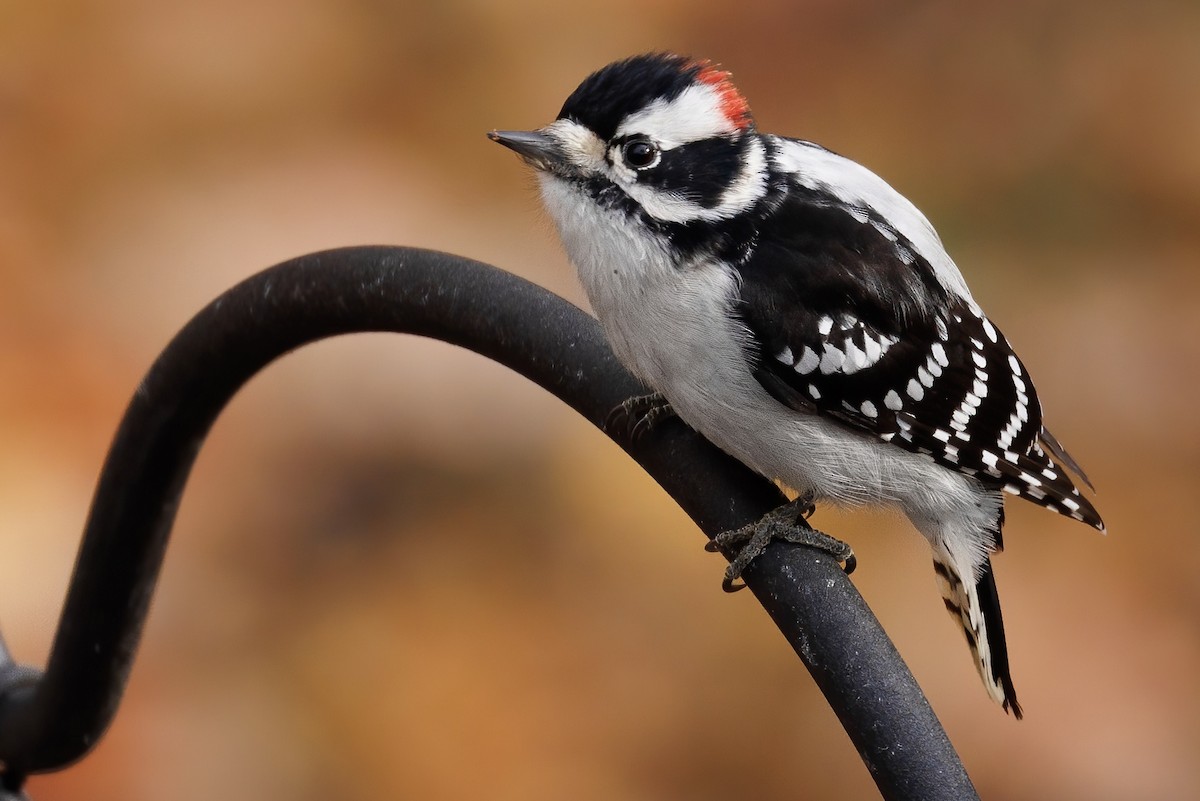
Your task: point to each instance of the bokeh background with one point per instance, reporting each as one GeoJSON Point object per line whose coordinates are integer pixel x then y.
{"type": "Point", "coordinates": [400, 571]}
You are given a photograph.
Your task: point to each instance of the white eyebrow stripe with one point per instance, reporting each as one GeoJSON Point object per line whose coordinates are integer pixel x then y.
{"type": "Point", "coordinates": [695, 113]}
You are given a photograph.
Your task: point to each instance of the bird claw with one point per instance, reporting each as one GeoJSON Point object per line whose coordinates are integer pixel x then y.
{"type": "Point", "coordinates": [639, 414]}
{"type": "Point", "coordinates": [806, 506]}
{"type": "Point", "coordinates": [783, 524]}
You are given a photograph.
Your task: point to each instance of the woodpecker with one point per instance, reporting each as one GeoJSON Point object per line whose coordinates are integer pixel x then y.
{"type": "Point", "coordinates": [802, 315]}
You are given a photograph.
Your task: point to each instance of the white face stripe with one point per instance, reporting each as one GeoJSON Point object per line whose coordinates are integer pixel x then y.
{"type": "Point", "coordinates": [747, 188]}
{"type": "Point", "coordinates": [750, 184]}
{"type": "Point", "coordinates": [696, 113]}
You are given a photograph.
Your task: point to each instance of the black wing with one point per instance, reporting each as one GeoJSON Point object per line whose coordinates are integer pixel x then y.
{"type": "Point", "coordinates": [851, 322]}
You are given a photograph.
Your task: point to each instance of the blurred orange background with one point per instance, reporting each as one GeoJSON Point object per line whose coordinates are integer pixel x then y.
{"type": "Point", "coordinates": [400, 571]}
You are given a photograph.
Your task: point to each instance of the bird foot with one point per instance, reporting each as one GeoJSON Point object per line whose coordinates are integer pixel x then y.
{"type": "Point", "coordinates": [640, 414]}
{"type": "Point", "coordinates": [783, 524]}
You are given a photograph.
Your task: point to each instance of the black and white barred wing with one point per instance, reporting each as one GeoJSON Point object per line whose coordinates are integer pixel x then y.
{"type": "Point", "coordinates": [899, 356]}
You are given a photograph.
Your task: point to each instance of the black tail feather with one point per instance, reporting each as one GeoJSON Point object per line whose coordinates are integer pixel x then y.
{"type": "Point", "coordinates": [989, 607]}
{"type": "Point", "coordinates": [1060, 453]}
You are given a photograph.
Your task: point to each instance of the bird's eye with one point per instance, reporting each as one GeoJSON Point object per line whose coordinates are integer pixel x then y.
{"type": "Point", "coordinates": [640, 153]}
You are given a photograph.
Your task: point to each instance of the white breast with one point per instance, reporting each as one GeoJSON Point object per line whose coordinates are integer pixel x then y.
{"type": "Point", "coordinates": [670, 326]}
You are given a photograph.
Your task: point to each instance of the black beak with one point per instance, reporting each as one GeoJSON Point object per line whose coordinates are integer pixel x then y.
{"type": "Point", "coordinates": [538, 149]}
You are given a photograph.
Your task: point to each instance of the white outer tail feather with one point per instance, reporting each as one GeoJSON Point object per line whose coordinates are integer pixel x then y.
{"type": "Point", "coordinates": [980, 620]}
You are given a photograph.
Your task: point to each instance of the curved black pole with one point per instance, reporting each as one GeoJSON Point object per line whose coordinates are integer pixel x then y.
{"type": "Point", "coordinates": [49, 720]}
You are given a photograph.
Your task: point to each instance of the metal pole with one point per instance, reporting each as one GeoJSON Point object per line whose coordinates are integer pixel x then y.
{"type": "Point", "coordinates": [51, 720]}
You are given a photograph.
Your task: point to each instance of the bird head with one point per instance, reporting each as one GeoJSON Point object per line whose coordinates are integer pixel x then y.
{"type": "Point", "coordinates": [665, 136]}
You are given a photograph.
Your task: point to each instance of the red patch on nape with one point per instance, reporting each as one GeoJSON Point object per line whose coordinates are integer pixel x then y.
{"type": "Point", "coordinates": [733, 105]}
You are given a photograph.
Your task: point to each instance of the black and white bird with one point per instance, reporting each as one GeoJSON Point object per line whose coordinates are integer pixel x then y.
{"type": "Point", "coordinates": [802, 315]}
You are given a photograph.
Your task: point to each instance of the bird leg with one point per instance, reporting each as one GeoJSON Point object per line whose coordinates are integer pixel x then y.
{"type": "Point", "coordinates": [640, 414]}
{"type": "Point", "coordinates": [783, 524]}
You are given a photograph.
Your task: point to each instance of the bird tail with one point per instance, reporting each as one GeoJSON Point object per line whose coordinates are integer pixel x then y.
{"type": "Point", "coordinates": [972, 600]}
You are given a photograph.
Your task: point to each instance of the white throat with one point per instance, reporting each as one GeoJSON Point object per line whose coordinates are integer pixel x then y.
{"type": "Point", "coordinates": [641, 295]}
